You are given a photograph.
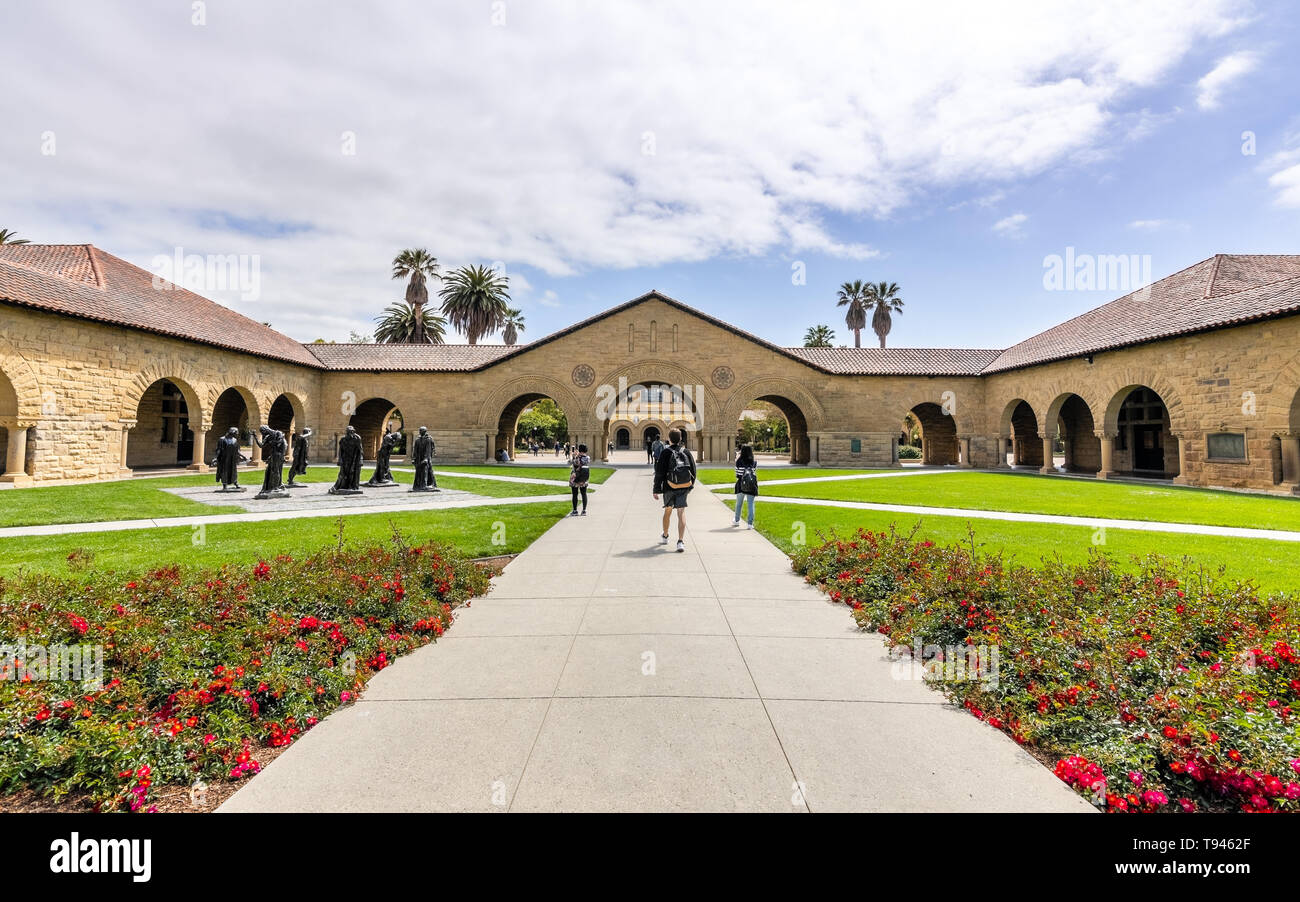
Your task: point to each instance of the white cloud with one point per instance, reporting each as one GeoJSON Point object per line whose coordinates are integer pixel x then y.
{"type": "Point", "coordinates": [1010, 226]}
{"type": "Point", "coordinates": [574, 137]}
{"type": "Point", "coordinates": [1287, 183]}
{"type": "Point", "coordinates": [1227, 70]}
{"type": "Point", "coordinates": [549, 299]}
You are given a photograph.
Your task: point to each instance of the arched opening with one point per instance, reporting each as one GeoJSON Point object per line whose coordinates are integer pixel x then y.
{"type": "Point", "coordinates": [1144, 444]}
{"type": "Point", "coordinates": [11, 436]}
{"type": "Point", "coordinates": [162, 436]}
{"type": "Point", "coordinates": [284, 415]}
{"type": "Point", "coordinates": [939, 444]}
{"type": "Point", "coordinates": [652, 434]}
{"type": "Point", "coordinates": [233, 408]}
{"type": "Point", "coordinates": [371, 419]}
{"type": "Point", "coordinates": [622, 439]}
{"type": "Point", "coordinates": [775, 425]}
{"type": "Point", "coordinates": [1026, 444]}
{"type": "Point", "coordinates": [532, 418]}
{"type": "Point", "coordinates": [1076, 434]}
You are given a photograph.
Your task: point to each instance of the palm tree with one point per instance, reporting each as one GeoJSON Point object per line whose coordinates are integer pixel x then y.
{"type": "Point", "coordinates": [854, 296]}
{"type": "Point", "coordinates": [884, 297]}
{"type": "Point", "coordinates": [398, 325]}
{"type": "Point", "coordinates": [8, 237]}
{"type": "Point", "coordinates": [474, 300]}
{"type": "Point", "coordinates": [512, 325]}
{"type": "Point", "coordinates": [418, 265]}
{"type": "Point", "coordinates": [818, 337]}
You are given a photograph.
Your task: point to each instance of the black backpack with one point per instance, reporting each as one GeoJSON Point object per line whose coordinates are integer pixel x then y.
{"type": "Point", "coordinates": [679, 474]}
{"type": "Point", "coordinates": [746, 481]}
{"type": "Point", "coordinates": [581, 473]}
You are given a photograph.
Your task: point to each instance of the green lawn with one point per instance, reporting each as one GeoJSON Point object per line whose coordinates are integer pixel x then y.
{"type": "Point", "coordinates": [1054, 495]}
{"type": "Point", "coordinates": [727, 475]}
{"type": "Point", "coordinates": [133, 499]}
{"type": "Point", "coordinates": [1271, 565]}
{"type": "Point", "coordinates": [471, 530]}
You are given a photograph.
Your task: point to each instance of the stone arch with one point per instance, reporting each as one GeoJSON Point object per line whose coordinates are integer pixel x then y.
{"type": "Point", "coordinates": [369, 419]}
{"type": "Point", "coordinates": [537, 386]}
{"type": "Point", "coordinates": [940, 445]}
{"type": "Point", "coordinates": [1146, 442]}
{"type": "Point", "coordinates": [1021, 425]}
{"type": "Point", "coordinates": [25, 399]}
{"type": "Point", "coordinates": [1281, 413]}
{"type": "Point", "coordinates": [285, 411]}
{"type": "Point", "coordinates": [1077, 422]}
{"type": "Point", "coordinates": [1119, 387]}
{"type": "Point", "coordinates": [180, 374]}
{"type": "Point", "coordinates": [765, 389]}
{"type": "Point", "coordinates": [654, 371]}
{"type": "Point", "coordinates": [219, 402]}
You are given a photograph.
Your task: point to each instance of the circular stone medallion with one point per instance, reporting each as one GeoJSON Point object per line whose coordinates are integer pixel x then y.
{"type": "Point", "coordinates": [723, 377]}
{"type": "Point", "coordinates": [583, 375]}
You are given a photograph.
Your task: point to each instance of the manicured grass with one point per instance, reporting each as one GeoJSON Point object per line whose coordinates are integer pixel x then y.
{"type": "Point", "coordinates": [1273, 566]}
{"type": "Point", "coordinates": [128, 499]}
{"type": "Point", "coordinates": [598, 474]}
{"type": "Point", "coordinates": [493, 488]}
{"type": "Point", "coordinates": [1055, 495]}
{"type": "Point", "coordinates": [470, 530]}
{"type": "Point", "coordinates": [727, 475]}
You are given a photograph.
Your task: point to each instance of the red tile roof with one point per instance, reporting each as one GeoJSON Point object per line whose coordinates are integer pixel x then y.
{"type": "Point", "coordinates": [82, 280]}
{"type": "Point", "coordinates": [408, 358]}
{"type": "Point", "coordinates": [899, 361]}
{"type": "Point", "coordinates": [1225, 290]}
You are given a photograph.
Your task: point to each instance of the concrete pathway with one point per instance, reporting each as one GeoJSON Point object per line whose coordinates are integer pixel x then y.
{"type": "Point", "coordinates": [604, 672]}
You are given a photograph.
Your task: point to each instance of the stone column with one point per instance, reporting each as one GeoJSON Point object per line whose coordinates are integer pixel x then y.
{"type": "Point", "coordinates": [127, 426]}
{"type": "Point", "coordinates": [197, 462]}
{"type": "Point", "coordinates": [255, 452]}
{"type": "Point", "coordinates": [16, 455]}
{"type": "Point", "coordinates": [1291, 461]}
{"type": "Point", "coordinates": [1001, 462]}
{"type": "Point", "coordinates": [1181, 478]}
{"type": "Point", "coordinates": [1048, 448]}
{"type": "Point", "coordinates": [1107, 455]}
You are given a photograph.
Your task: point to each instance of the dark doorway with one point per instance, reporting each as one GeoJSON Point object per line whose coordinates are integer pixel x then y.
{"type": "Point", "coordinates": [185, 443]}
{"type": "Point", "coordinates": [651, 433]}
{"type": "Point", "coordinates": [1148, 450]}
{"type": "Point", "coordinates": [622, 439]}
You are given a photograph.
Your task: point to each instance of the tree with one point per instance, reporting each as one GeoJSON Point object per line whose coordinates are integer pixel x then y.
{"type": "Point", "coordinates": [512, 325]}
{"type": "Point", "coordinates": [398, 325]}
{"type": "Point", "coordinates": [474, 300]}
{"type": "Point", "coordinates": [544, 422]}
{"type": "Point", "coordinates": [854, 296]}
{"type": "Point", "coordinates": [818, 337]}
{"type": "Point", "coordinates": [884, 296]}
{"type": "Point", "coordinates": [417, 265]}
{"type": "Point", "coordinates": [8, 237]}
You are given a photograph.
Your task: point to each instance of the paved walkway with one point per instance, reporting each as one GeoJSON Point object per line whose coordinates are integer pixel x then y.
{"type": "Point", "coordinates": [604, 672]}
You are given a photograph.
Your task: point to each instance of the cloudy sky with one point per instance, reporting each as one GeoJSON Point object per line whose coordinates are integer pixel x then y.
{"type": "Point", "coordinates": [714, 151]}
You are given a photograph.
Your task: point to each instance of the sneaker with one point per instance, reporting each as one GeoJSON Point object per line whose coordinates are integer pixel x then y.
{"type": "Point", "coordinates": [749, 525]}
{"type": "Point", "coordinates": [681, 546]}
{"type": "Point", "coordinates": [574, 514]}
{"type": "Point", "coordinates": [735, 522]}
{"type": "Point", "coordinates": [584, 513]}
{"type": "Point", "coordinates": [663, 540]}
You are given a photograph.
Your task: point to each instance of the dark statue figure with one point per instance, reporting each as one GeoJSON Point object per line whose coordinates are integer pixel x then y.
{"type": "Point", "coordinates": [349, 481]}
{"type": "Point", "coordinates": [422, 457]}
{"type": "Point", "coordinates": [301, 450]}
{"type": "Point", "coordinates": [227, 461]}
{"type": "Point", "coordinates": [383, 475]}
{"type": "Point", "coordinates": [273, 448]}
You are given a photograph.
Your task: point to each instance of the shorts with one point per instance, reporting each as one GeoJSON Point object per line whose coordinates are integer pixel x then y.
{"type": "Point", "coordinates": [675, 497]}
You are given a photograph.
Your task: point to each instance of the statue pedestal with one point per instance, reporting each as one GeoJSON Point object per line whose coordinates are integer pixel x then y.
{"type": "Point", "coordinates": [381, 485]}
{"type": "Point", "coordinates": [281, 492]}
{"type": "Point", "coordinates": [346, 492]}
{"type": "Point", "coordinates": [427, 489]}
{"type": "Point", "coordinates": [224, 490]}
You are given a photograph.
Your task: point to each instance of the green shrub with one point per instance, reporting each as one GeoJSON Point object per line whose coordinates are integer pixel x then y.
{"type": "Point", "coordinates": [909, 452]}
{"type": "Point", "coordinates": [200, 668]}
{"type": "Point", "coordinates": [1162, 689]}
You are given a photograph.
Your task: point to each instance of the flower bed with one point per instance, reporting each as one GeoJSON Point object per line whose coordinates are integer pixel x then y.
{"type": "Point", "coordinates": [202, 668]}
{"type": "Point", "coordinates": [1159, 689]}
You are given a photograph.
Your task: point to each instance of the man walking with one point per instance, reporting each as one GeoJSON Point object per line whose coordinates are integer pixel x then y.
{"type": "Point", "coordinates": [674, 478]}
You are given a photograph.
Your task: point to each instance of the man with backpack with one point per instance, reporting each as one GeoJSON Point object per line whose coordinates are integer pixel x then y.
{"type": "Point", "coordinates": [674, 478]}
{"type": "Point", "coordinates": [656, 448]}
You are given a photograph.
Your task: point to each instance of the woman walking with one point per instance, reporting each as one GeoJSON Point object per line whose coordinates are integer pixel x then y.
{"type": "Point", "coordinates": [579, 476]}
{"type": "Point", "coordinates": [746, 483]}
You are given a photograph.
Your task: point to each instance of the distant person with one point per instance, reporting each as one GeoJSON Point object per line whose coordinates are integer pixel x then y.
{"type": "Point", "coordinates": [746, 483]}
{"type": "Point", "coordinates": [610, 448]}
{"type": "Point", "coordinates": [657, 448]}
{"type": "Point", "coordinates": [579, 476]}
{"type": "Point", "coordinates": [674, 478]}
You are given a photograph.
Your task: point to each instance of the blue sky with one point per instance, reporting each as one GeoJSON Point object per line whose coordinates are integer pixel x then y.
{"type": "Point", "coordinates": [599, 152]}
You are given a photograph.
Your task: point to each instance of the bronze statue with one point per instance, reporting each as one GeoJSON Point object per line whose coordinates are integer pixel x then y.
{"type": "Point", "coordinates": [349, 480]}
{"type": "Point", "coordinates": [273, 448]}
{"type": "Point", "coordinates": [422, 457]}
{"type": "Point", "coordinates": [383, 475]}
{"type": "Point", "coordinates": [301, 450]}
{"type": "Point", "coordinates": [226, 460]}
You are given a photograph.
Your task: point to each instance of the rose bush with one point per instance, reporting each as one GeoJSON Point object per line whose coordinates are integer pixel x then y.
{"type": "Point", "coordinates": [1159, 688]}
{"type": "Point", "coordinates": [202, 668]}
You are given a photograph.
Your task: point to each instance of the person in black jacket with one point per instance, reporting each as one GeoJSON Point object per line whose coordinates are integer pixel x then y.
{"type": "Point", "coordinates": [746, 483]}
{"type": "Point", "coordinates": [674, 478]}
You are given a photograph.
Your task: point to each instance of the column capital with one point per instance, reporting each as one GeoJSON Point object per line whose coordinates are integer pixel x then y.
{"type": "Point", "coordinates": [17, 423]}
{"type": "Point", "coordinates": [1103, 434]}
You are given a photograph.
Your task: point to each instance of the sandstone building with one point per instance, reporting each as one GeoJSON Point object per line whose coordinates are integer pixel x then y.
{"type": "Point", "coordinates": [1195, 377]}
